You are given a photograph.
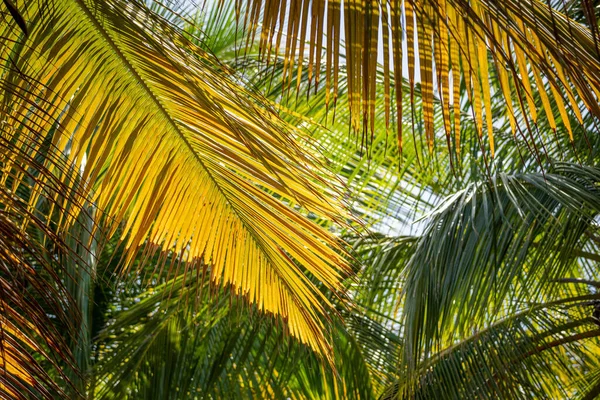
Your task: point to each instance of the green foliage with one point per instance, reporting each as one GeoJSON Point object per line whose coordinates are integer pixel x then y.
{"type": "Point", "coordinates": [473, 278]}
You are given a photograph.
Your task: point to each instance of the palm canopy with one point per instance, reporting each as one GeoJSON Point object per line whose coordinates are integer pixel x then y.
{"type": "Point", "coordinates": [175, 127]}
{"type": "Point", "coordinates": [518, 321]}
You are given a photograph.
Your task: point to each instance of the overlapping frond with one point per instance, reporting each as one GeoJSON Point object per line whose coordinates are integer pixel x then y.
{"type": "Point", "coordinates": [543, 350]}
{"type": "Point", "coordinates": [383, 186]}
{"type": "Point", "coordinates": [382, 274]}
{"type": "Point", "coordinates": [171, 148]}
{"type": "Point", "coordinates": [492, 246]}
{"type": "Point", "coordinates": [37, 319]}
{"type": "Point", "coordinates": [540, 352]}
{"type": "Point", "coordinates": [25, 328]}
{"type": "Point", "coordinates": [443, 44]}
{"type": "Point", "coordinates": [162, 346]}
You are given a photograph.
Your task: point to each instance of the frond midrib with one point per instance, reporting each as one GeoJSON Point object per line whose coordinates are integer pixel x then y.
{"type": "Point", "coordinates": [132, 70]}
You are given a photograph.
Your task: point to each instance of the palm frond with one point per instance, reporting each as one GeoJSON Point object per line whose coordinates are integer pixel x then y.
{"type": "Point", "coordinates": [538, 352]}
{"type": "Point", "coordinates": [25, 328]}
{"type": "Point", "coordinates": [492, 246]}
{"type": "Point", "coordinates": [171, 147]}
{"type": "Point", "coordinates": [449, 43]}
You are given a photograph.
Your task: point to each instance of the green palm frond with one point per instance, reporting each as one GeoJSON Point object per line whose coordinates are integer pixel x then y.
{"type": "Point", "coordinates": [541, 350]}
{"type": "Point", "coordinates": [170, 147]}
{"type": "Point", "coordinates": [490, 247]}
{"type": "Point", "coordinates": [536, 353]}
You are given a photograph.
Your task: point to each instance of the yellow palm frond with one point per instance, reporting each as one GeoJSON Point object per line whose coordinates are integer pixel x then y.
{"type": "Point", "coordinates": [532, 48]}
{"type": "Point", "coordinates": [175, 151]}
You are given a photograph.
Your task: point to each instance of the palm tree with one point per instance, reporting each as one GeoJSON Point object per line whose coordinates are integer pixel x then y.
{"type": "Point", "coordinates": [124, 135]}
